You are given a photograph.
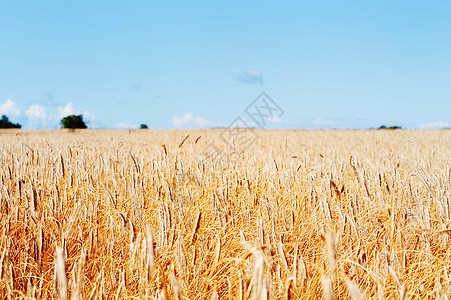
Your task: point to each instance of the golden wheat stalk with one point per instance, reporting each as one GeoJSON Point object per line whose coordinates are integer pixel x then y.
{"type": "Point", "coordinates": [353, 290]}
{"type": "Point", "coordinates": [328, 290]}
{"type": "Point", "coordinates": [259, 287]}
{"type": "Point", "coordinates": [331, 243]}
{"type": "Point", "coordinates": [175, 287]}
{"type": "Point", "coordinates": [60, 268]}
{"type": "Point", "coordinates": [150, 254]}
{"type": "Point", "coordinates": [79, 278]}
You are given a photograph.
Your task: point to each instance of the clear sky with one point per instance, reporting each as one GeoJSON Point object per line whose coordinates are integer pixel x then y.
{"type": "Point", "coordinates": [168, 64]}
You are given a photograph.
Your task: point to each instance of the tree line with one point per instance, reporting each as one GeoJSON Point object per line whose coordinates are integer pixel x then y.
{"type": "Point", "coordinates": [69, 122]}
{"type": "Point", "coordinates": [5, 123]}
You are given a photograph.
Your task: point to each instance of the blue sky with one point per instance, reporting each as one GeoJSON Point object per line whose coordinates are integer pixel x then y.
{"type": "Point", "coordinates": [327, 64]}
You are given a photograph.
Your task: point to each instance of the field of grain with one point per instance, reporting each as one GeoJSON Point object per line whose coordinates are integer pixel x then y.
{"type": "Point", "coordinates": [296, 214]}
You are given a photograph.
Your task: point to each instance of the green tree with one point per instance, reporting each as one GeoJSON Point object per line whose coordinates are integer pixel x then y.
{"type": "Point", "coordinates": [5, 123]}
{"type": "Point", "coordinates": [73, 122]}
{"type": "Point", "coordinates": [143, 126]}
{"type": "Point", "coordinates": [390, 127]}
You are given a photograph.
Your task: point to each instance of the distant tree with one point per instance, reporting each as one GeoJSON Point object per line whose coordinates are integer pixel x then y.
{"type": "Point", "coordinates": [390, 128]}
{"type": "Point", "coordinates": [5, 123]}
{"type": "Point", "coordinates": [143, 126]}
{"type": "Point", "coordinates": [73, 122]}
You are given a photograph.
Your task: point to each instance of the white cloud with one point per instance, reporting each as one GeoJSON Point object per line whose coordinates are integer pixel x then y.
{"type": "Point", "coordinates": [67, 110]}
{"type": "Point", "coordinates": [188, 120]}
{"type": "Point", "coordinates": [9, 108]}
{"type": "Point", "coordinates": [36, 112]}
{"type": "Point", "coordinates": [89, 116]}
{"type": "Point", "coordinates": [434, 125]}
{"type": "Point", "coordinates": [122, 125]}
{"type": "Point", "coordinates": [251, 76]}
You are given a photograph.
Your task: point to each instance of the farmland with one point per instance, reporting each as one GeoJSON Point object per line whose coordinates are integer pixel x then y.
{"type": "Point", "coordinates": [294, 214]}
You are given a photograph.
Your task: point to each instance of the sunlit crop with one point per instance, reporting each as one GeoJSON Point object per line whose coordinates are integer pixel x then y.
{"type": "Point", "coordinates": [299, 214]}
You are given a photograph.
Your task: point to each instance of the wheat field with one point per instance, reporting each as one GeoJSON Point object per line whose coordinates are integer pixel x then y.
{"type": "Point", "coordinates": [296, 214]}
